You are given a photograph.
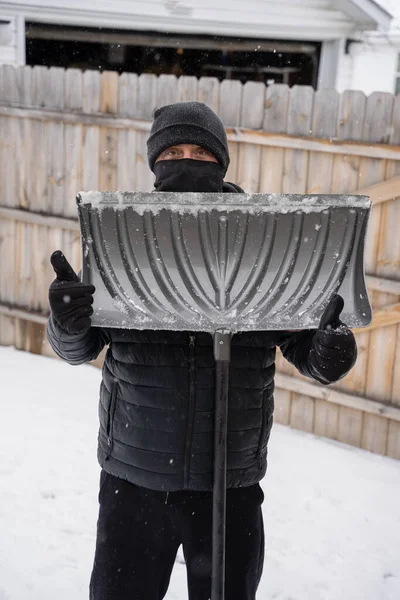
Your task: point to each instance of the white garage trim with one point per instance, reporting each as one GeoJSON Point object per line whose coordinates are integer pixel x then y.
{"type": "Point", "coordinates": [367, 13]}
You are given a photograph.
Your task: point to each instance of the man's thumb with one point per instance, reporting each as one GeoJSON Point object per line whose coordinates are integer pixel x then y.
{"type": "Point", "coordinates": [332, 313]}
{"type": "Point", "coordinates": [62, 268]}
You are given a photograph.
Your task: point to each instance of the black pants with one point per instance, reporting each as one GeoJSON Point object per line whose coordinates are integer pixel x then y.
{"type": "Point", "coordinates": [139, 532]}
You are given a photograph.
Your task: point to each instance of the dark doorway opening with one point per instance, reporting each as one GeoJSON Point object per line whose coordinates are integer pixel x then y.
{"type": "Point", "coordinates": [268, 61]}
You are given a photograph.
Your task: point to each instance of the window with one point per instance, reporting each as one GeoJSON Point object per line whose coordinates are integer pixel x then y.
{"type": "Point", "coordinates": [397, 91]}
{"type": "Point", "coordinates": [269, 61]}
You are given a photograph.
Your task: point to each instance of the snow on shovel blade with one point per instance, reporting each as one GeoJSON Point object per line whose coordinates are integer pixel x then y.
{"type": "Point", "coordinates": [202, 262]}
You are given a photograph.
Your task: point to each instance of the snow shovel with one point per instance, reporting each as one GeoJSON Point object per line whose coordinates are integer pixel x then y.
{"type": "Point", "coordinates": [222, 263]}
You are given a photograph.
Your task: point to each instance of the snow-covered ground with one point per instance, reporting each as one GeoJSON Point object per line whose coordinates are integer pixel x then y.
{"type": "Point", "coordinates": [332, 512]}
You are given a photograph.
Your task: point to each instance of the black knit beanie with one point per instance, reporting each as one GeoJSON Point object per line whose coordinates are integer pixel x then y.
{"type": "Point", "coordinates": [188, 123]}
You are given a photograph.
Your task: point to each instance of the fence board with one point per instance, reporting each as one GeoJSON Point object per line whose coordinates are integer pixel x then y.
{"type": "Point", "coordinates": [23, 280]}
{"type": "Point", "coordinates": [350, 124]}
{"type": "Point", "coordinates": [377, 125]}
{"type": "Point", "coordinates": [283, 366]}
{"type": "Point", "coordinates": [375, 434]}
{"type": "Point", "coordinates": [9, 194]}
{"type": "Point", "coordinates": [295, 181]}
{"type": "Point", "coordinates": [252, 116]}
{"type": "Point", "coordinates": [187, 88]}
{"type": "Point", "coordinates": [7, 279]}
{"type": "Point", "coordinates": [91, 135]}
{"type": "Point", "coordinates": [283, 403]}
{"type": "Point", "coordinates": [389, 250]}
{"type": "Point", "coordinates": [378, 381]}
{"type": "Point", "coordinates": [127, 105]}
{"type": "Point", "coordinates": [8, 157]}
{"type": "Point", "coordinates": [302, 412]}
{"type": "Point", "coordinates": [326, 419]}
{"type": "Point", "coordinates": [324, 119]}
{"type": "Point", "coordinates": [23, 142]}
{"type": "Point", "coordinates": [388, 265]}
{"type": "Point", "coordinates": [55, 242]}
{"type": "Point", "coordinates": [208, 92]}
{"type": "Point", "coordinates": [72, 142]}
{"type": "Point", "coordinates": [349, 426]}
{"type": "Point", "coordinates": [167, 90]}
{"type": "Point", "coordinates": [396, 371]}
{"type": "Point", "coordinates": [393, 446]}
{"type": "Point", "coordinates": [36, 259]}
{"type": "Point", "coordinates": [70, 242]}
{"type": "Point", "coordinates": [275, 120]}
{"type": "Point", "coordinates": [319, 181]}
{"type": "Point", "coordinates": [54, 133]}
{"type": "Point", "coordinates": [384, 190]}
{"type": "Point", "coordinates": [147, 103]}
{"type": "Point", "coordinates": [39, 269]}
{"type": "Point", "coordinates": [299, 123]}
{"type": "Point", "coordinates": [39, 191]}
{"type": "Point", "coordinates": [230, 111]}
{"type": "Point", "coordinates": [350, 127]}
{"type": "Point", "coordinates": [108, 137]}
{"type": "Point", "coordinates": [9, 78]}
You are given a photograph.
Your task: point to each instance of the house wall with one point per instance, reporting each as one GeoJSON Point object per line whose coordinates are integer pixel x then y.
{"type": "Point", "coordinates": [369, 68]}
{"type": "Point", "coordinates": [12, 40]}
{"type": "Point", "coordinates": [345, 72]}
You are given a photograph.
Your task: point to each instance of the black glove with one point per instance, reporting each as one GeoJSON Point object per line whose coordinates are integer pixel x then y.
{"type": "Point", "coordinates": [70, 299]}
{"type": "Point", "coordinates": [334, 350]}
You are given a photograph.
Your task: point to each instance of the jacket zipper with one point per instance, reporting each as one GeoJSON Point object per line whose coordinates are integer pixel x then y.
{"type": "Point", "coordinates": [111, 418]}
{"type": "Point", "coordinates": [190, 424]}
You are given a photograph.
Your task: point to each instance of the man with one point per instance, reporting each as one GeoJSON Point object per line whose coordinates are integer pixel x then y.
{"type": "Point", "coordinates": [156, 407]}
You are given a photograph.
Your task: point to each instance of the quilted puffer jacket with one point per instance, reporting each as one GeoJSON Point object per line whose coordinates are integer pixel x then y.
{"type": "Point", "coordinates": [157, 399]}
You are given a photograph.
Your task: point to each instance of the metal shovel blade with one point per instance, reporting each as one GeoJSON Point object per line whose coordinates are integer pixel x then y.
{"type": "Point", "coordinates": [242, 262]}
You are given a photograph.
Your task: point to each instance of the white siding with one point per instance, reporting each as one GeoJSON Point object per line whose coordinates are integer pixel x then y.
{"type": "Point", "coordinates": [345, 73]}
{"type": "Point", "coordinates": [369, 68]}
{"type": "Point", "coordinates": [371, 65]}
{"type": "Point", "coordinates": [284, 19]}
{"type": "Point", "coordinates": [12, 40]}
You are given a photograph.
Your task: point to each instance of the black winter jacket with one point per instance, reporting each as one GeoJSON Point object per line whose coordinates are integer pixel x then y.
{"type": "Point", "coordinates": [157, 399]}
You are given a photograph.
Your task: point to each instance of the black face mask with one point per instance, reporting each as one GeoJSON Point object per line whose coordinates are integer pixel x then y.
{"type": "Point", "coordinates": [187, 175]}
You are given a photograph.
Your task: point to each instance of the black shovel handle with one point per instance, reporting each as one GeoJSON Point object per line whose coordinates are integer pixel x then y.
{"type": "Point", "coordinates": [222, 343]}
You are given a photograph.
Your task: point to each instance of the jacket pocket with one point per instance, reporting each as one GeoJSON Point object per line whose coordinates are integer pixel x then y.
{"type": "Point", "coordinates": [110, 420]}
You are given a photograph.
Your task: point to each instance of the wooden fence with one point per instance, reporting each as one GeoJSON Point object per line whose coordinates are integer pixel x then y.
{"type": "Point", "coordinates": [65, 131]}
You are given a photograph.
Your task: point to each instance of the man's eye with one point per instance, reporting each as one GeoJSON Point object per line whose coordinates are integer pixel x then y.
{"type": "Point", "coordinates": [204, 152]}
